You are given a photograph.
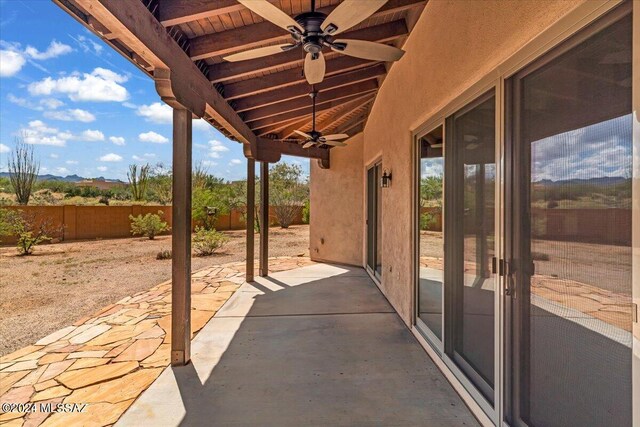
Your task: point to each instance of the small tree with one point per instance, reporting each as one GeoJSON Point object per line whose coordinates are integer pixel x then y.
{"type": "Point", "coordinates": [149, 225]}
{"type": "Point", "coordinates": [161, 183]}
{"type": "Point", "coordinates": [23, 170]}
{"type": "Point", "coordinates": [28, 232]}
{"type": "Point", "coordinates": [138, 181]}
{"type": "Point", "coordinates": [289, 191]}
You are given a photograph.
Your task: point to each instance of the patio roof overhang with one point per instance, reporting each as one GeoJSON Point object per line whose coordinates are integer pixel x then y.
{"type": "Point", "coordinates": [180, 44]}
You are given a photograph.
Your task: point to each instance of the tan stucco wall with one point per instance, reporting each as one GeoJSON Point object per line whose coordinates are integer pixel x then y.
{"type": "Point", "coordinates": [453, 45]}
{"type": "Point", "coordinates": [337, 199]}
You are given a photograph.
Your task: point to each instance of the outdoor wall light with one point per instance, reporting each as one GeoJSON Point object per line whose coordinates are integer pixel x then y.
{"type": "Point", "coordinates": [385, 181]}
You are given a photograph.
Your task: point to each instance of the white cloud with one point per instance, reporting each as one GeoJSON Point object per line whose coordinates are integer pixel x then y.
{"type": "Point", "coordinates": [235, 162]}
{"type": "Point", "coordinates": [43, 104]}
{"type": "Point", "coordinates": [55, 49]}
{"type": "Point", "coordinates": [153, 137]}
{"type": "Point", "coordinates": [11, 63]}
{"type": "Point", "coordinates": [87, 45]}
{"type": "Point", "coordinates": [71, 162]}
{"type": "Point", "coordinates": [61, 170]}
{"type": "Point", "coordinates": [4, 148]}
{"type": "Point", "coordinates": [111, 157]}
{"type": "Point", "coordinates": [156, 113]}
{"type": "Point", "coordinates": [144, 157]}
{"type": "Point", "coordinates": [102, 168]}
{"type": "Point", "coordinates": [209, 163]}
{"type": "Point", "coordinates": [215, 145]}
{"type": "Point", "coordinates": [38, 133]}
{"type": "Point", "coordinates": [101, 85]}
{"type": "Point", "coordinates": [161, 113]}
{"type": "Point", "coordinates": [12, 58]}
{"type": "Point", "coordinates": [214, 155]}
{"type": "Point", "coordinates": [51, 103]}
{"type": "Point", "coordinates": [91, 135]}
{"type": "Point", "coordinates": [71, 115]}
{"type": "Point", "coordinates": [117, 140]}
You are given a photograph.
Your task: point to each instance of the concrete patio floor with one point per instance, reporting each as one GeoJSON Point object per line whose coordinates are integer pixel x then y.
{"type": "Point", "coordinates": [317, 345]}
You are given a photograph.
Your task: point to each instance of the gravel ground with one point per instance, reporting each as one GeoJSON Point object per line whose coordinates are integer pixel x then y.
{"type": "Point", "coordinates": [61, 283]}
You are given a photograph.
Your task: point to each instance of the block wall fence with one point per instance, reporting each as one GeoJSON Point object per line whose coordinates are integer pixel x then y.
{"type": "Point", "coordinates": [107, 222]}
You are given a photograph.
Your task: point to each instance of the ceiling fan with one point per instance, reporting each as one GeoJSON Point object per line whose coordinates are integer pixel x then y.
{"type": "Point", "coordinates": [314, 137]}
{"type": "Point", "coordinates": [315, 30]}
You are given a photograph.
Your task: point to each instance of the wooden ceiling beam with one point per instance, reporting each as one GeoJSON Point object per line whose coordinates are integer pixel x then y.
{"type": "Point", "coordinates": [174, 12]}
{"type": "Point", "coordinates": [347, 108]}
{"type": "Point", "coordinates": [340, 64]}
{"type": "Point", "coordinates": [178, 79]}
{"type": "Point", "coordinates": [267, 125]}
{"type": "Point", "coordinates": [232, 70]}
{"type": "Point", "coordinates": [301, 103]}
{"type": "Point", "coordinates": [251, 36]}
{"type": "Point", "coordinates": [303, 89]}
{"type": "Point", "coordinates": [271, 150]}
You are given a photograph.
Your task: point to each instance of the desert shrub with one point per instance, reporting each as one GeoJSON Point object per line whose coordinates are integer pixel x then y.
{"type": "Point", "coordinates": [428, 220]}
{"type": "Point", "coordinates": [552, 204]}
{"type": "Point", "coordinates": [149, 225]}
{"type": "Point", "coordinates": [8, 218]}
{"type": "Point", "coordinates": [29, 233]}
{"type": "Point", "coordinates": [138, 177]}
{"type": "Point", "coordinates": [306, 212]}
{"type": "Point", "coordinates": [207, 242]}
{"type": "Point", "coordinates": [164, 254]}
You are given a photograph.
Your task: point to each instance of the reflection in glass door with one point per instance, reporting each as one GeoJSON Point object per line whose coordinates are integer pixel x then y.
{"type": "Point", "coordinates": [470, 195]}
{"type": "Point", "coordinates": [570, 244]}
{"type": "Point", "coordinates": [430, 242]}
{"type": "Point", "coordinates": [374, 223]}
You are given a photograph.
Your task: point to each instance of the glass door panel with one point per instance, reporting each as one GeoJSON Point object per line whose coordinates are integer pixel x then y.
{"type": "Point", "coordinates": [471, 142]}
{"type": "Point", "coordinates": [430, 242]}
{"type": "Point", "coordinates": [374, 223]}
{"type": "Point", "coordinates": [571, 233]}
{"type": "Point", "coordinates": [371, 213]}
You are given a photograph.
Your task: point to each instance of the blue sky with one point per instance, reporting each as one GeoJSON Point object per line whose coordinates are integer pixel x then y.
{"type": "Point", "coordinates": [86, 109]}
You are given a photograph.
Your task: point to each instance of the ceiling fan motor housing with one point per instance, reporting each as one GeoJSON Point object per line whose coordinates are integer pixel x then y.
{"type": "Point", "coordinates": [312, 39]}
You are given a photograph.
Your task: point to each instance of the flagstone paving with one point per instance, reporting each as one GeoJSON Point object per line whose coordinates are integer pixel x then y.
{"type": "Point", "coordinates": [107, 360]}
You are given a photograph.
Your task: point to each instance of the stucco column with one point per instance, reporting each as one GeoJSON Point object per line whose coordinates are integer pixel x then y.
{"type": "Point", "coordinates": [264, 219]}
{"type": "Point", "coordinates": [251, 211]}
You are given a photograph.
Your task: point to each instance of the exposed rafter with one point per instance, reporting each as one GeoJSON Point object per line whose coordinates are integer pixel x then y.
{"type": "Point", "coordinates": [233, 70]}
{"type": "Point", "coordinates": [300, 103]}
{"type": "Point", "coordinates": [242, 38]}
{"type": "Point", "coordinates": [263, 126]}
{"type": "Point", "coordinates": [303, 89]}
{"type": "Point", "coordinates": [294, 76]}
{"type": "Point", "coordinates": [345, 110]}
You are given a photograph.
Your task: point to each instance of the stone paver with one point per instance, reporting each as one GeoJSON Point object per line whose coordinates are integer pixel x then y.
{"type": "Point", "coordinates": [107, 360]}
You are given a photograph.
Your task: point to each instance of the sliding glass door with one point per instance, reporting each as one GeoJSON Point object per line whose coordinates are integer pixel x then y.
{"type": "Point", "coordinates": [430, 242]}
{"type": "Point", "coordinates": [569, 232]}
{"type": "Point", "coordinates": [470, 210]}
{"type": "Point", "coordinates": [374, 223]}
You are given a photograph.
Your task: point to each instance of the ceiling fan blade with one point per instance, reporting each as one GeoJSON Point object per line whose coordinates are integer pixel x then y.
{"type": "Point", "coordinates": [258, 53]}
{"type": "Point", "coordinates": [335, 143]}
{"type": "Point", "coordinates": [272, 14]}
{"type": "Point", "coordinates": [335, 137]}
{"type": "Point", "coordinates": [314, 68]}
{"type": "Point", "coordinates": [309, 144]}
{"type": "Point", "coordinates": [350, 13]}
{"type": "Point", "coordinates": [368, 50]}
{"type": "Point", "coordinates": [306, 135]}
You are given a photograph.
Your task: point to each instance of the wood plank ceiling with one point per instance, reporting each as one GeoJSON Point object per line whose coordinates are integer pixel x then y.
{"type": "Point", "coordinates": [270, 94]}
